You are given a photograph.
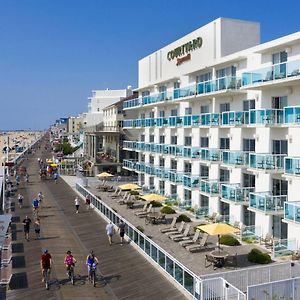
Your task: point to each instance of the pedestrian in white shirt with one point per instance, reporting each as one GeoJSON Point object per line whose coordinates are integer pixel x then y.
{"type": "Point", "coordinates": [77, 204]}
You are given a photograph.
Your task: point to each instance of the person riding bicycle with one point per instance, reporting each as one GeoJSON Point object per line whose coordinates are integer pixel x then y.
{"type": "Point", "coordinates": [92, 262]}
{"type": "Point", "coordinates": [46, 262]}
{"type": "Point", "coordinates": [35, 205]}
{"type": "Point", "coordinates": [69, 261]}
{"type": "Point", "coordinates": [40, 197]}
{"type": "Point", "coordinates": [55, 177]}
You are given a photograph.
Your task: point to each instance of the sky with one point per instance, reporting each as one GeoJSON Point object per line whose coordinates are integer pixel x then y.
{"type": "Point", "coordinates": [53, 53]}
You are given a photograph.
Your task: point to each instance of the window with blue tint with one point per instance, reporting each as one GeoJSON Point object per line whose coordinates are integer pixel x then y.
{"type": "Point", "coordinates": [154, 253]}
{"type": "Point", "coordinates": [130, 232]}
{"type": "Point", "coordinates": [169, 266]}
{"type": "Point", "coordinates": [147, 247]}
{"type": "Point", "coordinates": [161, 259]}
{"type": "Point", "coordinates": [189, 282]}
{"type": "Point", "coordinates": [161, 113]}
{"type": "Point", "coordinates": [179, 274]}
{"type": "Point", "coordinates": [136, 237]}
{"type": "Point", "coordinates": [142, 242]}
{"type": "Point", "coordinates": [188, 111]}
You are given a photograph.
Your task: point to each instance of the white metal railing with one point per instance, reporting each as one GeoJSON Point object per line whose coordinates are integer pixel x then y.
{"type": "Point", "coordinates": [184, 277]}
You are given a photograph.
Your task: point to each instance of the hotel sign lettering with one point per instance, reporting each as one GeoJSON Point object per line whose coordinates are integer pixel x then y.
{"type": "Point", "coordinates": [184, 49]}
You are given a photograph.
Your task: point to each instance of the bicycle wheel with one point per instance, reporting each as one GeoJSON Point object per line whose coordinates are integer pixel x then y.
{"type": "Point", "coordinates": [72, 277]}
{"type": "Point", "coordinates": [94, 278]}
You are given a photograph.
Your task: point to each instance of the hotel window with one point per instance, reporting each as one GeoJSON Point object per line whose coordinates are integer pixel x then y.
{"type": "Point", "coordinates": [174, 112]}
{"type": "Point", "coordinates": [161, 162]}
{"type": "Point", "coordinates": [145, 93]}
{"type": "Point", "coordinates": [248, 104]}
{"type": "Point", "coordinates": [151, 182]}
{"type": "Point", "coordinates": [204, 109]}
{"type": "Point", "coordinates": [151, 138]}
{"type": "Point", "coordinates": [224, 175]}
{"type": "Point", "coordinates": [162, 88]}
{"type": "Point", "coordinates": [173, 164]}
{"type": "Point", "coordinates": [161, 139]}
{"type": "Point", "coordinates": [280, 187]}
{"type": "Point", "coordinates": [188, 111]}
{"type": "Point", "coordinates": [187, 167]}
{"type": "Point", "coordinates": [224, 143]}
{"type": "Point", "coordinates": [224, 107]}
{"type": "Point", "coordinates": [142, 138]}
{"type": "Point", "coordinates": [249, 145]}
{"type": "Point", "coordinates": [279, 57]}
{"type": "Point", "coordinates": [142, 115]}
{"type": "Point", "coordinates": [279, 147]}
{"type": "Point", "coordinates": [204, 171]}
{"type": "Point", "coordinates": [187, 195]}
{"type": "Point", "coordinates": [229, 71]}
{"type": "Point", "coordinates": [187, 141]}
{"type": "Point", "coordinates": [151, 159]}
{"type": "Point", "coordinates": [177, 85]}
{"type": "Point", "coordinates": [204, 142]}
{"type": "Point", "coordinates": [204, 77]}
{"type": "Point", "coordinates": [142, 158]}
{"type": "Point", "coordinates": [161, 113]}
{"type": "Point", "coordinates": [204, 201]}
{"type": "Point", "coordinates": [151, 114]}
{"type": "Point", "coordinates": [173, 140]}
{"type": "Point", "coordinates": [162, 186]}
{"type": "Point", "coordinates": [279, 69]}
{"type": "Point", "coordinates": [279, 102]}
{"type": "Point", "coordinates": [173, 189]}
{"type": "Point", "coordinates": [248, 180]}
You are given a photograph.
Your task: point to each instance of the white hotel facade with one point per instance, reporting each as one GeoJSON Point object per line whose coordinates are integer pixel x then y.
{"type": "Point", "coordinates": [218, 125]}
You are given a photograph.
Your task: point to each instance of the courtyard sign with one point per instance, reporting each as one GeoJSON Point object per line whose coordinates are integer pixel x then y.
{"type": "Point", "coordinates": [185, 49]}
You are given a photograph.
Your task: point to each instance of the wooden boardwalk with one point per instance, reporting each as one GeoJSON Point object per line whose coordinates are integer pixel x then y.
{"type": "Point", "coordinates": [126, 273]}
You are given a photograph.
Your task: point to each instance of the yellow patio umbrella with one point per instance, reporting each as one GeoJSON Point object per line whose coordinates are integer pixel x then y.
{"type": "Point", "coordinates": [54, 165]}
{"type": "Point", "coordinates": [218, 229]}
{"type": "Point", "coordinates": [104, 174]}
{"type": "Point", "coordinates": [154, 197]}
{"type": "Point", "coordinates": [129, 186]}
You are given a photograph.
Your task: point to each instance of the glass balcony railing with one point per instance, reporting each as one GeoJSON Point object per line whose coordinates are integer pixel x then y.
{"type": "Point", "coordinates": [202, 212]}
{"type": "Point", "coordinates": [265, 116]}
{"type": "Point", "coordinates": [191, 152]}
{"type": "Point", "coordinates": [129, 164]}
{"type": "Point", "coordinates": [210, 119]}
{"type": "Point", "coordinates": [292, 211]}
{"type": "Point", "coordinates": [175, 121]}
{"type": "Point", "coordinates": [175, 177]}
{"type": "Point", "coordinates": [140, 146]}
{"type": "Point", "coordinates": [191, 120]}
{"type": "Point", "coordinates": [237, 158]}
{"type": "Point", "coordinates": [140, 167]}
{"type": "Point", "coordinates": [235, 118]}
{"type": "Point", "coordinates": [191, 181]}
{"type": "Point", "coordinates": [129, 145]}
{"type": "Point", "coordinates": [266, 202]}
{"type": "Point", "coordinates": [266, 161]}
{"type": "Point", "coordinates": [223, 83]}
{"type": "Point", "coordinates": [184, 92]}
{"type": "Point", "coordinates": [185, 204]}
{"type": "Point", "coordinates": [236, 193]}
{"type": "Point", "coordinates": [211, 187]}
{"type": "Point", "coordinates": [275, 72]}
{"type": "Point", "coordinates": [292, 115]}
{"type": "Point", "coordinates": [175, 150]}
{"type": "Point", "coordinates": [149, 169]}
{"type": "Point", "coordinates": [132, 103]}
{"type": "Point", "coordinates": [292, 166]}
{"type": "Point", "coordinates": [208, 154]}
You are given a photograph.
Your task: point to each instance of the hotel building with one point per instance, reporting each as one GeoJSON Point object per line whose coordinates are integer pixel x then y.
{"type": "Point", "coordinates": [218, 125]}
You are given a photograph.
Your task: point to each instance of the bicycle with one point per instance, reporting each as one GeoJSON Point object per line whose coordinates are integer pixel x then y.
{"type": "Point", "coordinates": [35, 212]}
{"type": "Point", "coordinates": [70, 272]}
{"type": "Point", "coordinates": [92, 274]}
{"type": "Point", "coordinates": [46, 276]}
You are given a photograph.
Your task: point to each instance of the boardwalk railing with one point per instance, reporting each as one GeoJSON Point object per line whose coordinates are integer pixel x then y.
{"type": "Point", "coordinates": [211, 289]}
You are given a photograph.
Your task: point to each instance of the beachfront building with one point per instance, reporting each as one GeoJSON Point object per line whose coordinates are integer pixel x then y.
{"type": "Point", "coordinates": [218, 125]}
{"type": "Point", "coordinates": [75, 124]}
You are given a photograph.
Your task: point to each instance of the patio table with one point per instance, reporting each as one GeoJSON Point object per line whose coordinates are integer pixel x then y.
{"type": "Point", "coordinates": [220, 256]}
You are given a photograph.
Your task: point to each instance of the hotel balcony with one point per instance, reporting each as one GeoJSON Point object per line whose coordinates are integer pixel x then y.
{"type": "Point", "coordinates": [235, 193]}
{"type": "Point", "coordinates": [236, 158]}
{"type": "Point", "coordinates": [212, 155]}
{"type": "Point", "coordinates": [210, 119]}
{"type": "Point", "coordinates": [210, 187]}
{"type": "Point", "coordinates": [267, 162]}
{"type": "Point", "coordinates": [140, 146]}
{"type": "Point", "coordinates": [161, 172]}
{"type": "Point", "coordinates": [129, 164]}
{"type": "Point", "coordinates": [235, 118]}
{"type": "Point", "coordinates": [267, 203]}
{"type": "Point", "coordinates": [191, 120]}
{"type": "Point", "coordinates": [265, 116]}
{"type": "Point", "coordinates": [191, 152]}
{"type": "Point", "coordinates": [140, 167]}
{"type": "Point", "coordinates": [149, 169]}
{"type": "Point", "coordinates": [191, 181]}
{"type": "Point", "coordinates": [129, 145]}
{"type": "Point", "coordinates": [290, 71]}
{"type": "Point", "coordinates": [292, 115]}
{"type": "Point", "coordinates": [132, 103]}
{"type": "Point", "coordinates": [292, 211]}
{"type": "Point", "coordinates": [183, 92]}
{"type": "Point", "coordinates": [175, 177]}
{"type": "Point", "coordinates": [292, 166]}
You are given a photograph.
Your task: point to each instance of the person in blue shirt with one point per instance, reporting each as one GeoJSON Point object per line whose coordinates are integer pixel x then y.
{"type": "Point", "coordinates": [35, 205]}
{"type": "Point", "coordinates": [92, 262]}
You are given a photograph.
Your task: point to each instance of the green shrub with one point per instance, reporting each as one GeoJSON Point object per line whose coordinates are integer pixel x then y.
{"type": "Point", "coordinates": [183, 217]}
{"type": "Point", "coordinates": [167, 210]}
{"type": "Point", "coordinates": [259, 257]}
{"type": "Point", "coordinates": [229, 240]}
{"type": "Point", "coordinates": [191, 209]}
{"type": "Point", "coordinates": [169, 203]}
{"type": "Point", "coordinates": [134, 193]}
{"type": "Point", "coordinates": [249, 240]}
{"type": "Point", "coordinates": [140, 228]}
{"type": "Point", "coordinates": [156, 204]}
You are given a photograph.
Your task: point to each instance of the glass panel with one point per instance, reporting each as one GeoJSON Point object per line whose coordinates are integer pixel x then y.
{"type": "Point", "coordinates": [154, 253]}
{"type": "Point", "coordinates": [161, 259]}
{"type": "Point", "coordinates": [136, 237]}
{"type": "Point", "coordinates": [147, 247]}
{"type": "Point", "coordinates": [142, 243]}
{"type": "Point", "coordinates": [179, 274]}
{"type": "Point", "coordinates": [169, 266]}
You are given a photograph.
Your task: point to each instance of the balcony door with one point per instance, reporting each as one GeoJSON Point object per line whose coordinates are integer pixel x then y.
{"type": "Point", "coordinates": [279, 146]}
{"type": "Point", "coordinates": [279, 228]}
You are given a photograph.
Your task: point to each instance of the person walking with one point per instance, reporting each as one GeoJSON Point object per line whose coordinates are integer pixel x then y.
{"type": "Point", "coordinates": [17, 180]}
{"type": "Point", "coordinates": [20, 200]}
{"type": "Point", "coordinates": [87, 202]}
{"type": "Point", "coordinates": [110, 232]}
{"type": "Point", "coordinates": [37, 228]}
{"type": "Point", "coordinates": [26, 222]}
{"type": "Point", "coordinates": [121, 228]}
{"type": "Point", "coordinates": [77, 204]}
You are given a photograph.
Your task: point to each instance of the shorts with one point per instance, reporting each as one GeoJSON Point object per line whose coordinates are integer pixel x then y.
{"type": "Point", "coordinates": [26, 229]}
{"type": "Point", "coordinates": [37, 230]}
{"type": "Point", "coordinates": [122, 234]}
{"type": "Point", "coordinates": [77, 207]}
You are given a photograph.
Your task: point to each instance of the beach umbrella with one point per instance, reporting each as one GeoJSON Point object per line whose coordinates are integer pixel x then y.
{"type": "Point", "coordinates": [154, 197]}
{"type": "Point", "coordinates": [129, 187]}
{"type": "Point", "coordinates": [218, 229]}
{"type": "Point", "coordinates": [104, 174]}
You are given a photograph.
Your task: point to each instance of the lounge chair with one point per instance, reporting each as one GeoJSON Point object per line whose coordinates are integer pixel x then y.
{"type": "Point", "coordinates": [117, 194]}
{"type": "Point", "coordinates": [210, 260]}
{"type": "Point", "coordinates": [267, 240]}
{"type": "Point", "coordinates": [125, 198]}
{"type": "Point", "coordinates": [143, 209]}
{"type": "Point", "coordinates": [144, 214]}
{"type": "Point", "coordinates": [172, 226]}
{"type": "Point", "coordinates": [178, 237]}
{"type": "Point", "coordinates": [190, 241]}
{"type": "Point", "coordinates": [212, 217]}
{"type": "Point", "coordinates": [178, 230]}
{"type": "Point", "coordinates": [201, 245]}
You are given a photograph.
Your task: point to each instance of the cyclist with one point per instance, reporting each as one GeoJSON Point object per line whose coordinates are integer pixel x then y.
{"type": "Point", "coordinates": [92, 262]}
{"type": "Point", "coordinates": [55, 177]}
{"type": "Point", "coordinates": [46, 262]}
{"type": "Point", "coordinates": [69, 261]}
{"type": "Point", "coordinates": [40, 197]}
{"type": "Point", "coordinates": [20, 200]}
